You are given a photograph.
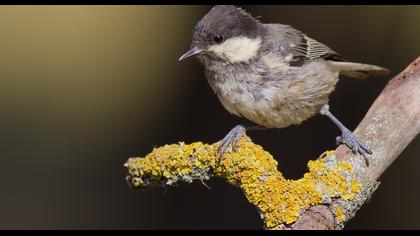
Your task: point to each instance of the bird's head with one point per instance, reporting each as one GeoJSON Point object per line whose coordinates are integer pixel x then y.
{"type": "Point", "coordinates": [226, 34]}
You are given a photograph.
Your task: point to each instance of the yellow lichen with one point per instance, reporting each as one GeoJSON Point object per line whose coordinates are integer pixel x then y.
{"type": "Point", "coordinates": [340, 215]}
{"type": "Point", "coordinates": [255, 171]}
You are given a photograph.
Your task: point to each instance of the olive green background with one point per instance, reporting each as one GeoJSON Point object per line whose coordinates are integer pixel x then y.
{"type": "Point", "coordinates": [82, 88]}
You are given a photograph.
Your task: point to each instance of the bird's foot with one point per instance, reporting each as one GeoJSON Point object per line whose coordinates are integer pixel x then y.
{"type": "Point", "coordinates": [231, 138]}
{"type": "Point", "coordinates": [355, 145]}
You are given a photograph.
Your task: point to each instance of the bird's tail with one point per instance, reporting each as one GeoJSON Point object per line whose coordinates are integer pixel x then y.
{"type": "Point", "coordinates": [359, 70]}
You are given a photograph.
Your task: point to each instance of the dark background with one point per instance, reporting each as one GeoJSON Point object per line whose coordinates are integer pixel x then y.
{"type": "Point", "coordinates": [82, 88]}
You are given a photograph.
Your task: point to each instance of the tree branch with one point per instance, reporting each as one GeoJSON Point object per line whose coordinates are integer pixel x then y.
{"type": "Point", "coordinates": [391, 123]}
{"type": "Point", "coordinates": [329, 194]}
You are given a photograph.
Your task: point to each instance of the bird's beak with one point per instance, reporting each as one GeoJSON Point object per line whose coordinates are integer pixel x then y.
{"type": "Point", "coordinates": [191, 52]}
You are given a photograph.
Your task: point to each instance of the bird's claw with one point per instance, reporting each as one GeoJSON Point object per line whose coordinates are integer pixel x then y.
{"type": "Point", "coordinates": [355, 145]}
{"type": "Point", "coordinates": [231, 138]}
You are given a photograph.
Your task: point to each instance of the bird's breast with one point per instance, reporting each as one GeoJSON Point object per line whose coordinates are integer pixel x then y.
{"type": "Point", "coordinates": [273, 99]}
{"type": "Point", "coordinates": [243, 93]}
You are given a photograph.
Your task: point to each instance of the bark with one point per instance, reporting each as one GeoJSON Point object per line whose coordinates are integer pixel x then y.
{"type": "Point", "coordinates": [391, 123]}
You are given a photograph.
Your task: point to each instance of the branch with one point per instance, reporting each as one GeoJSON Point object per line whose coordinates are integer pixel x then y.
{"type": "Point", "coordinates": [329, 194]}
{"type": "Point", "coordinates": [391, 123]}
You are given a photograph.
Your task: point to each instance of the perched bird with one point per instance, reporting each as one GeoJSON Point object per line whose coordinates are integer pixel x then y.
{"type": "Point", "coordinates": [271, 74]}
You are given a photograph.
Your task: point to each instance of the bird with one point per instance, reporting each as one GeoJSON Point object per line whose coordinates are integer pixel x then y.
{"type": "Point", "coordinates": [270, 73]}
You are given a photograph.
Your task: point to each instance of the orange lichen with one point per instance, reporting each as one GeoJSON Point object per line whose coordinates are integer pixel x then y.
{"type": "Point", "coordinates": [254, 170]}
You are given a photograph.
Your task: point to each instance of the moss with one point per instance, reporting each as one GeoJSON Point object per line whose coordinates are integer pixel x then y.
{"type": "Point", "coordinates": [254, 170]}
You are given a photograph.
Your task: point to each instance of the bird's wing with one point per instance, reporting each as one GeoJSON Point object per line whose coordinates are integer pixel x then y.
{"type": "Point", "coordinates": [298, 48]}
{"type": "Point", "coordinates": [289, 47]}
{"type": "Point", "coordinates": [315, 50]}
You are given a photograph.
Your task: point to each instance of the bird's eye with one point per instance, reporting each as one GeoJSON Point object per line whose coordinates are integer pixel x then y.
{"type": "Point", "coordinates": [218, 38]}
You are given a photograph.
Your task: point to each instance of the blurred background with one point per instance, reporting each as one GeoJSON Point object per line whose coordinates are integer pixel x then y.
{"type": "Point", "coordinates": [83, 88]}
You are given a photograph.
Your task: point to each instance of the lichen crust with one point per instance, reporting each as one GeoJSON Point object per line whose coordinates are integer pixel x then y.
{"type": "Point", "coordinates": [279, 200]}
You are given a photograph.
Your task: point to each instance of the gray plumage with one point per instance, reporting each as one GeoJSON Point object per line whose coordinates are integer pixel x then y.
{"type": "Point", "coordinates": [285, 83]}
{"type": "Point", "coordinates": [271, 74]}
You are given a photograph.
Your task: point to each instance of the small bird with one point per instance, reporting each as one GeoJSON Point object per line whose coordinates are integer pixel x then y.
{"type": "Point", "coordinates": [271, 74]}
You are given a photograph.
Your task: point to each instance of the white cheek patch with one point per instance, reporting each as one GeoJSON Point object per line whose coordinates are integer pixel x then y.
{"type": "Point", "coordinates": [237, 49]}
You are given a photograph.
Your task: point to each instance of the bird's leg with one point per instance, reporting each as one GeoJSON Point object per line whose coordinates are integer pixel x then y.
{"type": "Point", "coordinates": [347, 136]}
{"type": "Point", "coordinates": [234, 135]}
{"type": "Point", "coordinates": [231, 138]}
